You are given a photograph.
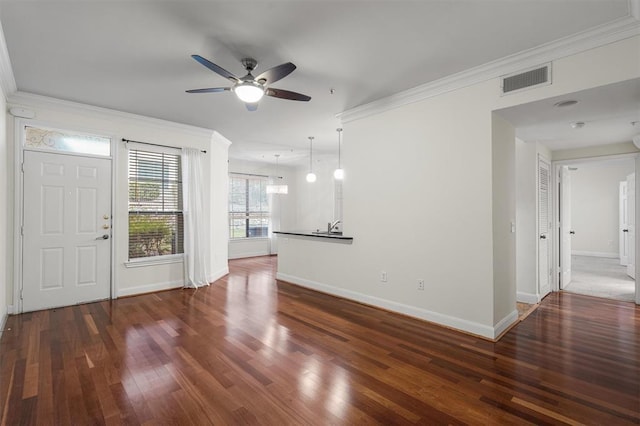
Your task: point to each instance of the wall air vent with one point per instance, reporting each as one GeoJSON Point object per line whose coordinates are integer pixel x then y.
{"type": "Point", "coordinates": [538, 76]}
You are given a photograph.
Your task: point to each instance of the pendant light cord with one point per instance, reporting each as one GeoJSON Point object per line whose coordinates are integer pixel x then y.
{"type": "Point", "coordinates": [339, 130]}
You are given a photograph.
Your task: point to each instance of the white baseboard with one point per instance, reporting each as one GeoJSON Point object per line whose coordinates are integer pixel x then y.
{"type": "Point", "coordinates": [505, 323]}
{"type": "Point", "coordinates": [249, 254]}
{"type": "Point", "coordinates": [166, 285]}
{"type": "Point", "coordinates": [530, 298]}
{"type": "Point", "coordinates": [435, 317]}
{"type": "Point", "coordinates": [150, 288]}
{"type": "Point", "coordinates": [3, 323]}
{"type": "Point", "coordinates": [595, 254]}
{"type": "Point", "coordinates": [217, 275]}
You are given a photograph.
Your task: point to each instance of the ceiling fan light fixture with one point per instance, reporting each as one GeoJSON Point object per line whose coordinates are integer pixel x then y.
{"type": "Point", "coordinates": [249, 91]}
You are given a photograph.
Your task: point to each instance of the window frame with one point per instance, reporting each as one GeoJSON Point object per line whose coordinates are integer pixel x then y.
{"type": "Point", "coordinates": [247, 214]}
{"type": "Point", "coordinates": [178, 213]}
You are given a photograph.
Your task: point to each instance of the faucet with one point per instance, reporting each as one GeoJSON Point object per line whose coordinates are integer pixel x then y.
{"type": "Point", "coordinates": [332, 225]}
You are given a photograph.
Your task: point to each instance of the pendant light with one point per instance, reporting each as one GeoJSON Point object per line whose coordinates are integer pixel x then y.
{"type": "Point", "coordinates": [338, 173]}
{"type": "Point", "coordinates": [311, 177]}
{"type": "Point", "coordinates": [274, 188]}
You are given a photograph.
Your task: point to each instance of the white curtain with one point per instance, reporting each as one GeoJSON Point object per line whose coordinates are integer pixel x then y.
{"type": "Point", "coordinates": [196, 219]}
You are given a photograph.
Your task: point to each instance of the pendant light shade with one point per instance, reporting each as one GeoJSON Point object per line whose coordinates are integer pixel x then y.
{"type": "Point", "coordinates": [277, 189]}
{"type": "Point", "coordinates": [338, 173]}
{"type": "Point", "coordinates": [311, 177]}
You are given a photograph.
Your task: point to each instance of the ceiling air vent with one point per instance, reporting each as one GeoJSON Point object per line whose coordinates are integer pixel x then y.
{"type": "Point", "coordinates": [538, 76]}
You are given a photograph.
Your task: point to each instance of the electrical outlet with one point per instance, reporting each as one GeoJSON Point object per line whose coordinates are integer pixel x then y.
{"type": "Point", "coordinates": [420, 284]}
{"type": "Point", "coordinates": [383, 276]}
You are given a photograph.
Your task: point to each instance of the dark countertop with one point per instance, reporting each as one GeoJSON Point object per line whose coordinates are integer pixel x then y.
{"type": "Point", "coordinates": [315, 235]}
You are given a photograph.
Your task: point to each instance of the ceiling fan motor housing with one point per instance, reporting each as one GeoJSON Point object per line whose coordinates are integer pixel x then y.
{"type": "Point", "coordinates": [249, 64]}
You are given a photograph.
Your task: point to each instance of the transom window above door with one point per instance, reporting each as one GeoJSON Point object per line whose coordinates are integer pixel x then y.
{"type": "Point", "coordinates": [66, 141]}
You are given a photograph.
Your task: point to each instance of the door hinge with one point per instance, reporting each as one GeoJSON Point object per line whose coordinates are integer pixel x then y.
{"type": "Point", "coordinates": [22, 167]}
{"type": "Point", "coordinates": [22, 231]}
{"type": "Point", "coordinates": [21, 294]}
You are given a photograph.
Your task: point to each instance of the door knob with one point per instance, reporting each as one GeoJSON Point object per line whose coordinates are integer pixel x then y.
{"type": "Point", "coordinates": [105, 226]}
{"type": "Point", "coordinates": [572, 232]}
{"type": "Point", "coordinates": [104, 237]}
{"type": "Point", "coordinates": [543, 237]}
{"type": "Point", "coordinates": [625, 230]}
{"type": "Point", "coordinates": [105, 217]}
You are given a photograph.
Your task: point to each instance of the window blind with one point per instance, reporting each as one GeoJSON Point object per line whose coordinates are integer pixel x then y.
{"type": "Point", "coordinates": [156, 225]}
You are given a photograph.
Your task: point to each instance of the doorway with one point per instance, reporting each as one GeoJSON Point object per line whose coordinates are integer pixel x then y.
{"type": "Point", "coordinates": [596, 212]}
{"type": "Point", "coordinates": [65, 190]}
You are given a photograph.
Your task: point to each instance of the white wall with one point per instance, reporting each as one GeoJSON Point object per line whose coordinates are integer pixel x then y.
{"type": "Point", "coordinates": [504, 221]}
{"type": "Point", "coordinates": [5, 244]}
{"type": "Point", "coordinates": [118, 125]}
{"type": "Point", "coordinates": [418, 203]}
{"type": "Point", "coordinates": [283, 208]}
{"type": "Point", "coordinates": [419, 200]}
{"type": "Point", "coordinates": [526, 229]}
{"type": "Point", "coordinates": [315, 201]}
{"type": "Point", "coordinates": [595, 207]}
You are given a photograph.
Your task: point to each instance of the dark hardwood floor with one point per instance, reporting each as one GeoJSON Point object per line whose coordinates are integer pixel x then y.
{"type": "Point", "coordinates": [250, 350]}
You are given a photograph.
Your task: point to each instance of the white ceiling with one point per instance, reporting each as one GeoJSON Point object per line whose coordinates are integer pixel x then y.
{"type": "Point", "coordinates": [607, 112]}
{"type": "Point", "coordinates": [134, 56]}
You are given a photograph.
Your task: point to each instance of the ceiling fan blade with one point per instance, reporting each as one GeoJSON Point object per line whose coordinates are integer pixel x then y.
{"type": "Point", "coordinates": [215, 68]}
{"type": "Point", "coordinates": [252, 107]}
{"type": "Point", "coordinates": [276, 73]}
{"type": "Point", "coordinates": [210, 90]}
{"type": "Point", "coordinates": [286, 94]}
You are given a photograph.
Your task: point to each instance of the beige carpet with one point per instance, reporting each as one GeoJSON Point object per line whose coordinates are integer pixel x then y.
{"type": "Point", "coordinates": [600, 277]}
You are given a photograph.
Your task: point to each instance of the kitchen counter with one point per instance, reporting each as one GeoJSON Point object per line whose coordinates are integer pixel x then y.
{"type": "Point", "coordinates": [317, 234]}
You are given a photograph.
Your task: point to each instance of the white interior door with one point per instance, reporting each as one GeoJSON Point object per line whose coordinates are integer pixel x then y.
{"type": "Point", "coordinates": [623, 225]}
{"type": "Point", "coordinates": [565, 226]}
{"type": "Point", "coordinates": [544, 225]}
{"type": "Point", "coordinates": [631, 224]}
{"type": "Point", "coordinates": [67, 221]}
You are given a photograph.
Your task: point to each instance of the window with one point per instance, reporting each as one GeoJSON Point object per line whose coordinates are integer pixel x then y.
{"type": "Point", "coordinates": [156, 225]}
{"type": "Point", "coordinates": [62, 140]}
{"type": "Point", "coordinates": [248, 207]}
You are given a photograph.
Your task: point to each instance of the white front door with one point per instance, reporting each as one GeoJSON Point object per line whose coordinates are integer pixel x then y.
{"type": "Point", "coordinates": [565, 226]}
{"type": "Point", "coordinates": [623, 230]}
{"type": "Point", "coordinates": [67, 221]}
{"type": "Point", "coordinates": [544, 225]}
{"type": "Point", "coordinates": [631, 224]}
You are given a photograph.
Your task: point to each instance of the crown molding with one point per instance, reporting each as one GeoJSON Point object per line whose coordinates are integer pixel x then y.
{"type": "Point", "coordinates": [617, 30]}
{"type": "Point", "coordinates": [7, 79]}
{"type": "Point", "coordinates": [217, 137]}
{"type": "Point", "coordinates": [24, 99]}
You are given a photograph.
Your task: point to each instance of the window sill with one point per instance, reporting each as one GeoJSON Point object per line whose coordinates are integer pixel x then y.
{"type": "Point", "coordinates": [154, 260]}
{"type": "Point", "coordinates": [240, 240]}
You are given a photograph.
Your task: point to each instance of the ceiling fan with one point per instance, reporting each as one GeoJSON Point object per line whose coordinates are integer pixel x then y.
{"type": "Point", "coordinates": [250, 89]}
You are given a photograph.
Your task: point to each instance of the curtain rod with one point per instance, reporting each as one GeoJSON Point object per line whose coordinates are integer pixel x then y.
{"type": "Point", "coordinates": [253, 174]}
{"type": "Point", "coordinates": [155, 144]}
